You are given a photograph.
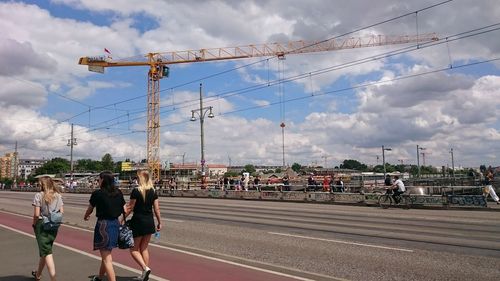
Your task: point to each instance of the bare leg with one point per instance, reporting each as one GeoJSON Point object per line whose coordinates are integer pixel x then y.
{"type": "Point", "coordinates": [51, 267]}
{"type": "Point", "coordinates": [107, 265]}
{"type": "Point", "coordinates": [102, 270]}
{"type": "Point", "coordinates": [41, 265]}
{"type": "Point", "coordinates": [136, 254]}
{"type": "Point", "coordinates": [144, 248]}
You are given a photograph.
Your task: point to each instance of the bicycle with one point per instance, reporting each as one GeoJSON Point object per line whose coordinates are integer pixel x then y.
{"type": "Point", "coordinates": [386, 200]}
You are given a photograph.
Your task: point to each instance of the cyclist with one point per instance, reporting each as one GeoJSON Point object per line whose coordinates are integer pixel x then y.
{"type": "Point", "coordinates": [398, 188]}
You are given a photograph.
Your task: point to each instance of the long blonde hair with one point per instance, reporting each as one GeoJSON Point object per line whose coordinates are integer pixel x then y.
{"type": "Point", "coordinates": [145, 182]}
{"type": "Point", "coordinates": [49, 189]}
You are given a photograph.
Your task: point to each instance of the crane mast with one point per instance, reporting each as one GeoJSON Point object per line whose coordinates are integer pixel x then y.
{"type": "Point", "coordinates": [158, 69]}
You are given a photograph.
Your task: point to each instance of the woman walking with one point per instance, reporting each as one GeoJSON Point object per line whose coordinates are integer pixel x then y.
{"type": "Point", "coordinates": [109, 204]}
{"type": "Point", "coordinates": [143, 200]}
{"type": "Point", "coordinates": [48, 199]}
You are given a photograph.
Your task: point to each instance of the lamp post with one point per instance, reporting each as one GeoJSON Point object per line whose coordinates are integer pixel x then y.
{"type": "Point", "coordinates": [418, 158]}
{"type": "Point", "coordinates": [201, 112]}
{"type": "Point", "coordinates": [452, 165]}
{"type": "Point", "coordinates": [384, 149]}
{"type": "Point", "coordinates": [71, 143]}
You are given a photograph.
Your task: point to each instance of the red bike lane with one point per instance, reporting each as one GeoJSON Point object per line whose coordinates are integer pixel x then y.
{"type": "Point", "coordinates": [166, 263]}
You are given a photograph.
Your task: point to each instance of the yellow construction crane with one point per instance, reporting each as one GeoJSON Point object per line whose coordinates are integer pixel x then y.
{"type": "Point", "coordinates": [158, 69]}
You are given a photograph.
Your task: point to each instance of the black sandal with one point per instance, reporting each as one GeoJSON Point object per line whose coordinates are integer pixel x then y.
{"type": "Point", "coordinates": [34, 274]}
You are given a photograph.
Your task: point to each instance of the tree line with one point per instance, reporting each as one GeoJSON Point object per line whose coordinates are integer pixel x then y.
{"type": "Point", "coordinates": [61, 166]}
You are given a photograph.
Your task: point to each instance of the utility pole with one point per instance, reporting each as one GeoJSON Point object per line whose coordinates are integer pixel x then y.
{"type": "Point", "coordinates": [452, 164]}
{"type": "Point", "coordinates": [325, 157]}
{"type": "Point", "coordinates": [201, 113]}
{"type": "Point", "coordinates": [383, 157]}
{"type": "Point", "coordinates": [418, 158]}
{"type": "Point", "coordinates": [282, 125]}
{"type": "Point", "coordinates": [71, 143]}
{"type": "Point", "coordinates": [423, 157]}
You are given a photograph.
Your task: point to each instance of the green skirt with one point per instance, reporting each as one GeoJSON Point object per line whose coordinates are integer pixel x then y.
{"type": "Point", "coordinates": [44, 239]}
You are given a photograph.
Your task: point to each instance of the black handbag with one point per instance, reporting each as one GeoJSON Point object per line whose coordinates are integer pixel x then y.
{"type": "Point", "coordinates": [125, 237]}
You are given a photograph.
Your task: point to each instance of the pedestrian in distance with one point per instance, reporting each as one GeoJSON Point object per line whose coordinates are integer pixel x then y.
{"type": "Point", "coordinates": [109, 204]}
{"type": "Point", "coordinates": [488, 188]}
{"type": "Point", "coordinates": [48, 199]}
{"type": "Point", "coordinates": [143, 202]}
{"type": "Point", "coordinates": [387, 180]}
{"type": "Point", "coordinates": [326, 184]}
{"type": "Point", "coordinates": [340, 183]}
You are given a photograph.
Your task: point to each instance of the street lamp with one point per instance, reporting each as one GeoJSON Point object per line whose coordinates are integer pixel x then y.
{"type": "Point", "coordinates": [384, 149]}
{"type": "Point", "coordinates": [452, 165]}
{"type": "Point", "coordinates": [418, 158]}
{"type": "Point", "coordinates": [71, 143]}
{"type": "Point", "coordinates": [201, 112]}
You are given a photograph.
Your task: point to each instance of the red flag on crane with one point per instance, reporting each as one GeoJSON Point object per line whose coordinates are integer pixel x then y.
{"type": "Point", "coordinates": [108, 56]}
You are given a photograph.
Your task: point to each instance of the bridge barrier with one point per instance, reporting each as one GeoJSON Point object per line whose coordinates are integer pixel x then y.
{"type": "Point", "coordinates": [294, 196]}
{"type": "Point", "coordinates": [466, 201]}
{"type": "Point", "coordinates": [428, 200]}
{"type": "Point", "coordinates": [349, 197]}
{"type": "Point", "coordinates": [451, 200]}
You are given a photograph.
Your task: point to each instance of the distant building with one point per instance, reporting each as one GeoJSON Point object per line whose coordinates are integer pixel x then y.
{"type": "Point", "coordinates": [28, 166]}
{"type": "Point", "coordinates": [192, 169]}
{"type": "Point", "coordinates": [258, 168]}
{"type": "Point", "coordinates": [216, 169]}
{"type": "Point", "coordinates": [8, 166]}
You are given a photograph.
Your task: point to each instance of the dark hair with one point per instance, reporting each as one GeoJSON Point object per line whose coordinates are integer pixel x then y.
{"type": "Point", "coordinates": [108, 183]}
{"type": "Point", "coordinates": [396, 177]}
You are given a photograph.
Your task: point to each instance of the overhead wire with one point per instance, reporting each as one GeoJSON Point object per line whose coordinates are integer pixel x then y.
{"type": "Point", "coordinates": [451, 38]}
{"type": "Point", "coordinates": [196, 80]}
{"type": "Point", "coordinates": [213, 75]}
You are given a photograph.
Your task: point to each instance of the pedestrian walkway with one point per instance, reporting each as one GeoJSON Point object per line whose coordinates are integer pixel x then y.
{"type": "Point", "coordinates": [75, 259]}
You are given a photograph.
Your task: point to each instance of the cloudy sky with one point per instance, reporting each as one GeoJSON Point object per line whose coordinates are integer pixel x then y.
{"type": "Point", "coordinates": [336, 105]}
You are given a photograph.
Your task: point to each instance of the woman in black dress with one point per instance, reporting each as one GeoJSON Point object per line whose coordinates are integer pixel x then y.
{"type": "Point", "coordinates": [143, 201]}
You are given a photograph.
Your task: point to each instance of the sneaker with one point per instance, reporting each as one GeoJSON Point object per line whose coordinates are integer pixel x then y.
{"type": "Point", "coordinates": [95, 278]}
{"type": "Point", "coordinates": [145, 274]}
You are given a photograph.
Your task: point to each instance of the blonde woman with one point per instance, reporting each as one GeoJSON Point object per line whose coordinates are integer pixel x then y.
{"type": "Point", "coordinates": [143, 201]}
{"type": "Point", "coordinates": [49, 198]}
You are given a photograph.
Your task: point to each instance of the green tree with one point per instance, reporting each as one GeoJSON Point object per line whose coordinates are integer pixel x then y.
{"type": "Point", "coordinates": [353, 164]}
{"type": "Point", "coordinates": [118, 167]}
{"type": "Point", "coordinates": [296, 167]}
{"type": "Point", "coordinates": [107, 162]}
{"type": "Point", "coordinates": [231, 174]}
{"type": "Point", "coordinates": [249, 168]}
{"type": "Point", "coordinates": [87, 165]}
{"type": "Point", "coordinates": [54, 166]}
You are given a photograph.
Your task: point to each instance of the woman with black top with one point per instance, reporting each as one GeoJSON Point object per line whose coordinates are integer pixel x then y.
{"type": "Point", "coordinates": [143, 201]}
{"type": "Point", "coordinates": [109, 204]}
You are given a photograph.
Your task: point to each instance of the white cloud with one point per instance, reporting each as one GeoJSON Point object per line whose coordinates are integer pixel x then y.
{"type": "Point", "coordinates": [438, 111]}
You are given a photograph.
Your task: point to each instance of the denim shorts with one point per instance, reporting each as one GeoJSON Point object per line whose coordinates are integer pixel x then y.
{"type": "Point", "coordinates": [106, 234]}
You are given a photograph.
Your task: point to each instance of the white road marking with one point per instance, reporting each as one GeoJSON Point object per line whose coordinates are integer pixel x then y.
{"type": "Point", "coordinates": [184, 252]}
{"type": "Point", "coordinates": [342, 242]}
{"type": "Point", "coordinates": [172, 220]}
{"type": "Point", "coordinates": [240, 264]}
{"type": "Point", "coordinates": [85, 253]}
